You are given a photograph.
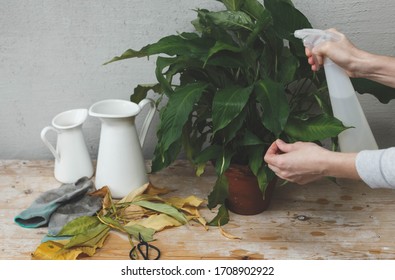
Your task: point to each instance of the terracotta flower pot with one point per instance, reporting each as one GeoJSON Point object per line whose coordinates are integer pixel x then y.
{"type": "Point", "coordinates": [245, 197]}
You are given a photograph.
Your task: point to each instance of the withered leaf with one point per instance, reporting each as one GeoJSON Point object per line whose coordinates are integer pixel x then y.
{"type": "Point", "coordinates": [90, 237]}
{"type": "Point", "coordinates": [79, 225]}
{"type": "Point", "coordinates": [181, 202]}
{"type": "Point", "coordinates": [130, 197]}
{"type": "Point", "coordinates": [52, 250]}
{"type": "Point", "coordinates": [146, 233]}
{"type": "Point", "coordinates": [163, 208]}
{"type": "Point", "coordinates": [157, 222]}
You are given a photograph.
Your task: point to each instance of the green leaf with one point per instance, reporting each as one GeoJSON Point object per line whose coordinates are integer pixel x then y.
{"type": "Point", "coordinates": [228, 104]}
{"type": "Point", "coordinates": [176, 113]}
{"type": "Point", "coordinates": [146, 233]}
{"type": "Point", "coordinates": [141, 91]}
{"type": "Point", "coordinates": [255, 9]}
{"type": "Point", "coordinates": [162, 159]}
{"type": "Point", "coordinates": [183, 44]}
{"type": "Point", "coordinates": [112, 223]}
{"type": "Point", "coordinates": [209, 153]}
{"type": "Point", "coordinates": [163, 208]}
{"type": "Point", "coordinates": [79, 225]}
{"type": "Point", "coordinates": [285, 26]}
{"type": "Point", "coordinates": [221, 46]}
{"type": "Point", "coordinates": [89, 237]}
{"type": "Point", "coordinates": [313, 129]}
{"type": "Point", "coordinates": [219, 192]}
{"type": "Point", "coordinates": [232, 5]}
{"type": "Point", "coordinates": [222, 217]}
{"type": "Point", "coordinates": [287, 67]}
{"type": "Point", "coordinates": [230, 20]}
{"type": "Point", "coordinates": [255, 156]}
{"type": "Point", "coordinates": [275, 106]}
{"type": "Point", "coordinates": [383, 93]}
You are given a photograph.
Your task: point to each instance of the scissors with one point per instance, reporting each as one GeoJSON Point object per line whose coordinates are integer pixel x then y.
{"type": "Point", "coordinates": [144, 248]}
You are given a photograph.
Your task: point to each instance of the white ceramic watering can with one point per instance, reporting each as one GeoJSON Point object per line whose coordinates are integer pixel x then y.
{"type": "Point", "coordinates": [72, 159]}
{"type": "Point", "coordinates": [120, 161]}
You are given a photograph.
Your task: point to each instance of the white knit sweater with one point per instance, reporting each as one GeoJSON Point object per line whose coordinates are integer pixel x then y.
{"type": "Point", "coordinates": [377, 168]}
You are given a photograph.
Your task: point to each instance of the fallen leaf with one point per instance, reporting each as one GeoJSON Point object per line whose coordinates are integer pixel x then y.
{"type": "Point", "coordinates": [157, 222]}
{"type": "Point", "coordinates": [133, 212]}
{"type": "Point", "coordinates": [89, 238]}
{"type": "Point", "coordinates": [133, 194]}
{"type": "Point", "coordinates": [226, 234]}
{"type": "Point", "coordinates": [163, 208]}
{"type": "Point", "coordinates": [152, 190]}
{"type": "Point", "coordinates": [146, 233]}
{"type": "Point", "coordinates": [79, 225]}
{"type": "Point", "coordinates": [181, 202]}
{"type": "Point", "coordinates": [52, 250]}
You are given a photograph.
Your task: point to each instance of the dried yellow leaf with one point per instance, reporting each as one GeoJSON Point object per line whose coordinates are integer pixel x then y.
{"type": "Point", "coordinates": [152, 190]}
{"type": "Point", "coordinates": [134, 212]}
{"type": "Point", "coordinates": [54, 250]}
{"type": "Point", "coordinates": [157, 222]}
{"type": "Point", "coordinates": [179, 202]}
{"type": "Point", "coordinates": [130, 197]}
{"type": "Point", "coordinates": [226, 234]}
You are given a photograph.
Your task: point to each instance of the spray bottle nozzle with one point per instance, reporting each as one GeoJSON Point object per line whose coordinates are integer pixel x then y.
{"type": "Point", "coordinates": [313, 37]}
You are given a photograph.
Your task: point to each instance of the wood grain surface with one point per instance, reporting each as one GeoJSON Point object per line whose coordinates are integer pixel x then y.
{"type": "Point", "coordinates": [321, 220]}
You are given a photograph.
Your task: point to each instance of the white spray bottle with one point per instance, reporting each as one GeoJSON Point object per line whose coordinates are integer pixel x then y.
{"type": "Point", "coordinates": [345, 104]}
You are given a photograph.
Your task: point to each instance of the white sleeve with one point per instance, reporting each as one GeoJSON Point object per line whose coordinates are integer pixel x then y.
{"type": "Point", "coordinates": [377, 168]}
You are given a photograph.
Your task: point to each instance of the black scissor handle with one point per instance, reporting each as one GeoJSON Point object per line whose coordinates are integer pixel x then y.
{"type": "Point", "coordinates": [144, 248]}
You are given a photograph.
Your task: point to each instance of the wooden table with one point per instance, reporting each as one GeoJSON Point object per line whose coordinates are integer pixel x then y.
{"type": "Point", "coordinates": [316, 221]}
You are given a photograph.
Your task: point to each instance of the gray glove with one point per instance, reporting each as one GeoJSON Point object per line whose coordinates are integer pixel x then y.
{"type": "Point", "coordinates": [68, 199]}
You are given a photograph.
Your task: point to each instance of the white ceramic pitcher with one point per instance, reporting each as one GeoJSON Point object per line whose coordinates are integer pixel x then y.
{"type": "Point", "coordinates": [72, 159]}
{"type": "Point", "coordinates": [120, 161]}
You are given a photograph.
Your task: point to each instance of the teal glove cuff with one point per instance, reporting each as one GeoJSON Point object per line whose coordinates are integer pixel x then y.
{"type": "Point", "coordinates": [40, 211]}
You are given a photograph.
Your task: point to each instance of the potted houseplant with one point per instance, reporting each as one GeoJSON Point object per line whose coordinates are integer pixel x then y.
{"type": "Point", "coordinates": [231, 88]}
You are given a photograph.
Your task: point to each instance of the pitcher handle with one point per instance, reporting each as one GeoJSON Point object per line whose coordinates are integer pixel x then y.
{"type": "Point", "coordinates": [46, 142]}
{"type": "Point", "coordinates": [148, 118]}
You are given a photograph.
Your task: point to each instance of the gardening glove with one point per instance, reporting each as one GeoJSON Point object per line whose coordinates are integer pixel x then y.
{"type": "Point", "coordinates": [85, 206]}
{"type": "Point", "coordinates": [40, 211]}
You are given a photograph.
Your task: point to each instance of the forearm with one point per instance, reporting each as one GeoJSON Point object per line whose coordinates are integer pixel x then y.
{"type": "Point", "coordinates": [341, 165]}
{"type": "Point", "coordinates": [378, 68]}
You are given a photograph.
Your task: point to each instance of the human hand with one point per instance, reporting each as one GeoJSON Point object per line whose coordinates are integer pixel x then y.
{"type": "Point", "coordinates": [300, 162]}
{"type": "Point", "coordinates": [341, 51]}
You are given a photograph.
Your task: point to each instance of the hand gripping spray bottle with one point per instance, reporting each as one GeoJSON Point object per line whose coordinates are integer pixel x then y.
{"type": "Point", "coordinates": [345, 104]}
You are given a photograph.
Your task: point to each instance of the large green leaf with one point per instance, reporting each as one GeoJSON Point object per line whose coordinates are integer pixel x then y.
{"type": "Point", "coordinates": [229, 132]}
{"type": "Point", "coordinates": [138, 231]}
{"type": "Point", "coordinates": [228, 104]}
{"type": "Point", "coordinates": [271, 96]}
{"type": "Point", "coordinates": [255, 9]}
{"type": "Point", "coordinates": [219, 192]}
{"type": "Point", "coordinates": [140, 92]}
{"type": "Point", "coordinates": [221, 46]}
{"type": "Point", "coordinates": [163, 159]}
{"type": "Point", "coordinates": [287, 67]}
{"type": "Point", "coordinates": [314, 129]}
{"type": "Point", "coordinates": [230, 20]}
{"type": "Point", "coordinates": [222, 217]}
{"type": "Point", "coordinates": [251, 139]}
{"type": "Point", "coordinates": [163, 208]}
{"type": "Point", "coordinates": [176, 113]}
{"type": "Point", "coordinates": [286, 18]}
{"type": "Point", "coordinates": [184, 44]}
{"type": "Point", "coordinates": [232, 5]}
{"type": "Point", "coordinates": [383, 93]}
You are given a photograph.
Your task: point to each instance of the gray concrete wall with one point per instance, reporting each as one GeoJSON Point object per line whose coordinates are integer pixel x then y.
{"type": "Point", "coordinates": [51, 55]}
